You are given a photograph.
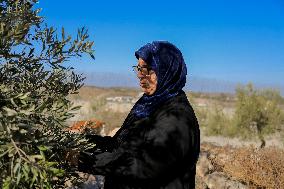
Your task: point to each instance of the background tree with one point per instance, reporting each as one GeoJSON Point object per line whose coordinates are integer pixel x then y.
{"type": "Point", "coordinates": [34, 86]}
{"type": "Point", "coordinates": [259, 111]}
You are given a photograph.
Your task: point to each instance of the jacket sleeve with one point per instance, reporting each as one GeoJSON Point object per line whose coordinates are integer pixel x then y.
{"type": "Point", "coordinates": [162, 150]}
{"type": "Point", "coordinates": [103, 143]}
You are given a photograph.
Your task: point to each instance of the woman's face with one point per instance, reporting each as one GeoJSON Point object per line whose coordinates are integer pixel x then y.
{"type": "Point", "coordinates": [148, 80]}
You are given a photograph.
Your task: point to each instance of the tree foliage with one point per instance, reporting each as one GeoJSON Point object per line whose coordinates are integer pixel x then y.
{"type": "Point", "coordinates": [256, 113]}
{"type": "Point", "coordinates": [258, 110]}
{"type": "Point", "coordinates": [34, 85]}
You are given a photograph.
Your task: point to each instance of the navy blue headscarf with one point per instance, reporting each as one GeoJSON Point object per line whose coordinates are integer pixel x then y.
{"type": "Point", "coordinates": [168, 63]}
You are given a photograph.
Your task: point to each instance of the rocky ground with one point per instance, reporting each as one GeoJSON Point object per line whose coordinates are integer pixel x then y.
{"type": "Point", "coordinates": [207, 174]}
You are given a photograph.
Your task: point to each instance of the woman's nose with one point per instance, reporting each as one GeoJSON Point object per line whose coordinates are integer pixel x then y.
{"type": "Point", "coordinates": [140, 75]}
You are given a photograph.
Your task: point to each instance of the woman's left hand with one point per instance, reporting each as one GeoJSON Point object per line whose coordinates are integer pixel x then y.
{"type": "Point", "coordinates": [72, 157]}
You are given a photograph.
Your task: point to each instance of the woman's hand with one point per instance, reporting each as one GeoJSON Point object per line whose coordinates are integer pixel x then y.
{"type": "Point", "coordinates": [72, 157]}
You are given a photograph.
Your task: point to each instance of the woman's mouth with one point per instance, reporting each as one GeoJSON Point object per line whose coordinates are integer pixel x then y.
{"type": "Point", "coordinates": [144, 84]}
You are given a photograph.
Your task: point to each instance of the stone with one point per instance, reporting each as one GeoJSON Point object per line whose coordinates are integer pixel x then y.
{"type": "Point", "coordinates": [204, 165]}
{"type": "Point", "coordinates": [218, 180]}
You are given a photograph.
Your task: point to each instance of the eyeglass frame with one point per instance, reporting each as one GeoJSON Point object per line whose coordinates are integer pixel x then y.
{"type": "Point", "coordinates": [138, 68]}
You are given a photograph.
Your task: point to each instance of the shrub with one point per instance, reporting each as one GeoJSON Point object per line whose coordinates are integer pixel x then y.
{"type": "Point", "coordinates": [215, 122]}
{"type": "Point", "coordinates": [257, 168]}
{"type": "Point", "coordinates": [257, 112]}
{"type": "Point", "coordinates": [34, 86]}
{"type": "Point", "coordinates": [262, 168]}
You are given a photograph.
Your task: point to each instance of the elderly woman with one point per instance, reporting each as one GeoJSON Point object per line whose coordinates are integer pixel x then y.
{"type": "Point", "coordinates": [159, 142]}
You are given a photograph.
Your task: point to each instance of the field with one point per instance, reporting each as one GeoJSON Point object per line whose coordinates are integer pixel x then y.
{"type": "Point", "coordinates": [226, 160]}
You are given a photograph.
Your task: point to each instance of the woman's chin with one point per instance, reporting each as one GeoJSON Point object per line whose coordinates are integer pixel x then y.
{"type": "Point", "coordinates": [147, 91]}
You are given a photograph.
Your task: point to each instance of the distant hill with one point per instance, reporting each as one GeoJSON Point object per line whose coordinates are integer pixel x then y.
{"type": "Point", "coordinates": [196, 84]}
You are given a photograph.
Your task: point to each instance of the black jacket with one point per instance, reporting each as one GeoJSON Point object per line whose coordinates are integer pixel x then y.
{"type": "Point", "coordinates": [159, 151]}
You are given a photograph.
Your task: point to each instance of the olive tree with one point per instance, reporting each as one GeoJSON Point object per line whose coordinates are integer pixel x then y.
{"type": "Point", "coordinates": [258, 111]}
{"type": "Point", "coordinates": [34, 89]}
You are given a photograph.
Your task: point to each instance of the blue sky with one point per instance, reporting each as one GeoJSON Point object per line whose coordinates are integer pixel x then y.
{"type": "Point", "coordinates": [229, 40]}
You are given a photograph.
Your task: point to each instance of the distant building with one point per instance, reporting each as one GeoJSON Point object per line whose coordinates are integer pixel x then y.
{"type": "Point", "coordinates": [121, 99]}
{"type": "Point", "coordinates": [200, 102]}
{"type": "Point", "coordinates": [121, 103]}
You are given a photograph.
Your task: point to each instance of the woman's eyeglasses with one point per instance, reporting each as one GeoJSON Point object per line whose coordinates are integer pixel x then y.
{"type": "Point", "coordinates": [144, 70]}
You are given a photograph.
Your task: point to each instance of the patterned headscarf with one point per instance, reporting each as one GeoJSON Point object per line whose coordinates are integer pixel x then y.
{"type": "Point", "coordinates": [168, 63]}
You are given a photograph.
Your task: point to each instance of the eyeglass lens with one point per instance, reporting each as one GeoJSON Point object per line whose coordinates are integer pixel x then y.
{"type": "Point", "coordinates": [142, 70]}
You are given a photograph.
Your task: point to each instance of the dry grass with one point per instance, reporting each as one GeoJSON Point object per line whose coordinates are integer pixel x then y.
{"type": "Point", "coordinates": [257, 168]}
{"type": "Point", "coordinates": [260, 168]}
